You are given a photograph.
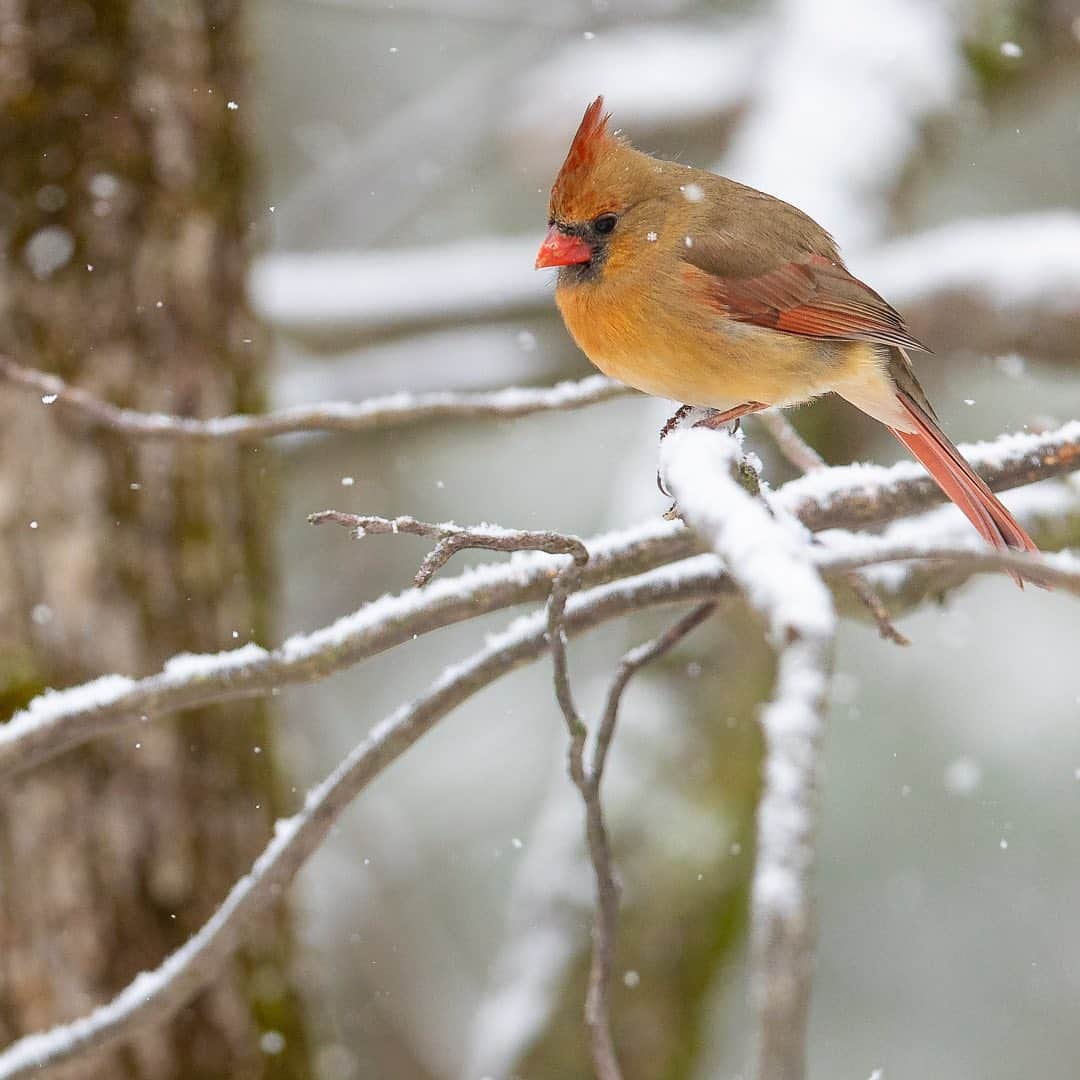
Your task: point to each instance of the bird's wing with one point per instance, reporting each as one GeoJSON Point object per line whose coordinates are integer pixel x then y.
{"type": "Point", "coordinates": [813, 296]}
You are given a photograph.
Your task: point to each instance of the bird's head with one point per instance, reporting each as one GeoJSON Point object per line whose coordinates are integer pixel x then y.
{"type": "Point", "coordinates": [608, 201]}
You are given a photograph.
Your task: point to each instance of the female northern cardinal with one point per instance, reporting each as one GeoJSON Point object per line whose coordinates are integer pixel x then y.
{"type": "Point", "coordinates": [690, 286]}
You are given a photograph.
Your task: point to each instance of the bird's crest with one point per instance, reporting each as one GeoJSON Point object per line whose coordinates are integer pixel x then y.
{"type": "Point", "coordinates": [590, 143]}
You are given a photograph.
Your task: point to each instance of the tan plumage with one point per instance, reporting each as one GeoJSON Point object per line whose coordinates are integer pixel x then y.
{"type": "Point", "coordinates": [690, 286]}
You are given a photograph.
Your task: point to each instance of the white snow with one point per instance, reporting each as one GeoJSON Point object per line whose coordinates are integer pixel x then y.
{"type": "Point", "coordinates": [771, 563]}
{"type": "Point", "coordinates": [1020, 260]}
{"type": "Point", "coordinates": [191, 666]}
{"type": "Point", "coordinates": [840, 105]}
{"type": "Point", "coordinates": [962, 776]}
{"type": "Point", "coordinates": [651, 76]}
{"type": "Point", "coordinates": [48, 250]}
{"type": "Point", "coordinates": [53, 704]}
{"type": "Point", "coordinates": [380, 290]}
{"type": "Point", "coordinates": [823, 486]}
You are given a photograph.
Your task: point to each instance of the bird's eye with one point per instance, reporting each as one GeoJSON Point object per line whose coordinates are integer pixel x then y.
{"type": "Point", "coordinates": [604, 224]}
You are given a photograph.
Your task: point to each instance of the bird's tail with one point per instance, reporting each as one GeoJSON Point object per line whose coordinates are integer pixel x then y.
{"type": "Point", "coordinates": [932, 447]}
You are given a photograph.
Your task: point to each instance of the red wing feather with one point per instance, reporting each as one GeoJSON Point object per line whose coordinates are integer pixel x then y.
{"type": "Point", "coordinates": [815, 298]}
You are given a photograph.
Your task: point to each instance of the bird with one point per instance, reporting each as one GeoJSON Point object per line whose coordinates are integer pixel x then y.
{"type": "Point", "coordinates": [693, 287]}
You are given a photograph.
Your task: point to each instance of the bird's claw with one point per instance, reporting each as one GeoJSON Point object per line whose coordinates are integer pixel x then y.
{"type": "Point", "coordinates": [673, 421]}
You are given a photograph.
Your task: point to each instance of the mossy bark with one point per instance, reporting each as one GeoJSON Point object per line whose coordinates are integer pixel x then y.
{"type": "Point", "coordinates": [124, 218]}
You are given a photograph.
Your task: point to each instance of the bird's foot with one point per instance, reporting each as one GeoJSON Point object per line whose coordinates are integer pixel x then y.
{"type": "Point", "coordinates": [730, 416]}
{"type": "Point", "coordinates": [717, 418]}
{"type": "Point", "coordinates": [673, 422]}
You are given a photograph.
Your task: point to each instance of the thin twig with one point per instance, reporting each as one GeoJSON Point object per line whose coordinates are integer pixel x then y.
{"type": "Point", "coordinates": [868, 597]}
{"type": "Point", "coordinates": [807, 460]}
{"type": "Point", "coordinates": [588, 779]}
{"type": "Point", "coordinates": [392, 410]}
{"type": "Point", "coordinates": [597, 1017]}
{"type": "Point", "coordinates": [1056, 571]}
{"type": "Point", "coordinates": [454, 538]}
{"type": "Point", "coordinates": [631, 663]}
{"type": "Point", "coordinates": [789, 442]}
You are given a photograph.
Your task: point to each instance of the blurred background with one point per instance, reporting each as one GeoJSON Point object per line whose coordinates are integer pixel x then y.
{"type": "Point", "coordinates": [383, 224]}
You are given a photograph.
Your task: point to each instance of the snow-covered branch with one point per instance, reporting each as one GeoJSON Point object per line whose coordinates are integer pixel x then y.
{"type": "Point", "coordinates": [453, 538]}
{"type": "Point", "coordinates": [772, 564]}
{"type": "Point", "coordinates": [857, 496]}
{"type": "Point", "coordinates": [994, 285]}
{"type": "Point", "coordinates": [845, 497]}
{"type": "Point", "coordinates": [393, 410]}
{"type": "Point", "coordinates": [806, 459]}
{"type": "Point", "coordinates": [154, 995]}
{"type": "Point", "coordinates": [1059, 571]}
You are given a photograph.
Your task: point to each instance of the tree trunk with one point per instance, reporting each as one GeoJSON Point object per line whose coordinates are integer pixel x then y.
{"type": "Point", "coordinates": [124, 179]}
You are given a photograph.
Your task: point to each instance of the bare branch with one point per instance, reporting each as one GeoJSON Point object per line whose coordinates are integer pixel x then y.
{"type": "Point", "coordinates": [1056, 571]}
{"type": "Point", "coordinates": [631, 663]}
{"type": "Point", "coordinates": [393, 410]}
{"type": "Point", "coordinates": [868, 597]}
{"type": "Point", "coordinates": [789, 442]}
{"type": "Point", "coordinates": [597, 1017]}
{"type": "Point", "coordinates": [806, 459]}
{"type": "Point", "coordinates": [588, 780]}
{"type": "Point", "coordinates": [774, 568]}
{"type": "Point", "coordinates": [454, 538]}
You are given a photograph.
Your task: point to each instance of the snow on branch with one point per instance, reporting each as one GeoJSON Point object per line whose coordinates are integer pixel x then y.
{"type": "Point", "coordinates": [1058, 571]}
{"type": "Point", "coordinates": [805, 458]}
{"type": "Point", "coordinates": [847, 497]}
{"type": "Point", "coordinates": [878, 90]}
{"type": "Point", "coordinates": [856, 496]}
{"type": "Point", "coordinates": [772, 565]}
{"type": "Point", "coordinates": [454, 538]}
{"type": "Point", "coordinates": [944, 552]}
{"type": "Point", "coordinates": [392, 410]}
{"type": "Point", "coordinates": [994, 284]}
{"type": "Point", "coordinates": [155, 995]}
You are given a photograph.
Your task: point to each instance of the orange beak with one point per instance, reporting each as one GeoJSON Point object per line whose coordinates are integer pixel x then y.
{"type": "Point", "coordinates": [561, 249]}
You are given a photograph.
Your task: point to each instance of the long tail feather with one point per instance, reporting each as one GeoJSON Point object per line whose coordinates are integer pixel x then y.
{"type": "Point", "coordinates": [931, 446]}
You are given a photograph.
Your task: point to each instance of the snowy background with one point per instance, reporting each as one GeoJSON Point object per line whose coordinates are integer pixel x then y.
{"type": "Point", "coordinates": [407, 150]}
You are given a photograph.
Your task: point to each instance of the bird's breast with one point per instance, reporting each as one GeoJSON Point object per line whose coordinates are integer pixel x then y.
{"type": "Point", "coordinates": [685, 352]}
